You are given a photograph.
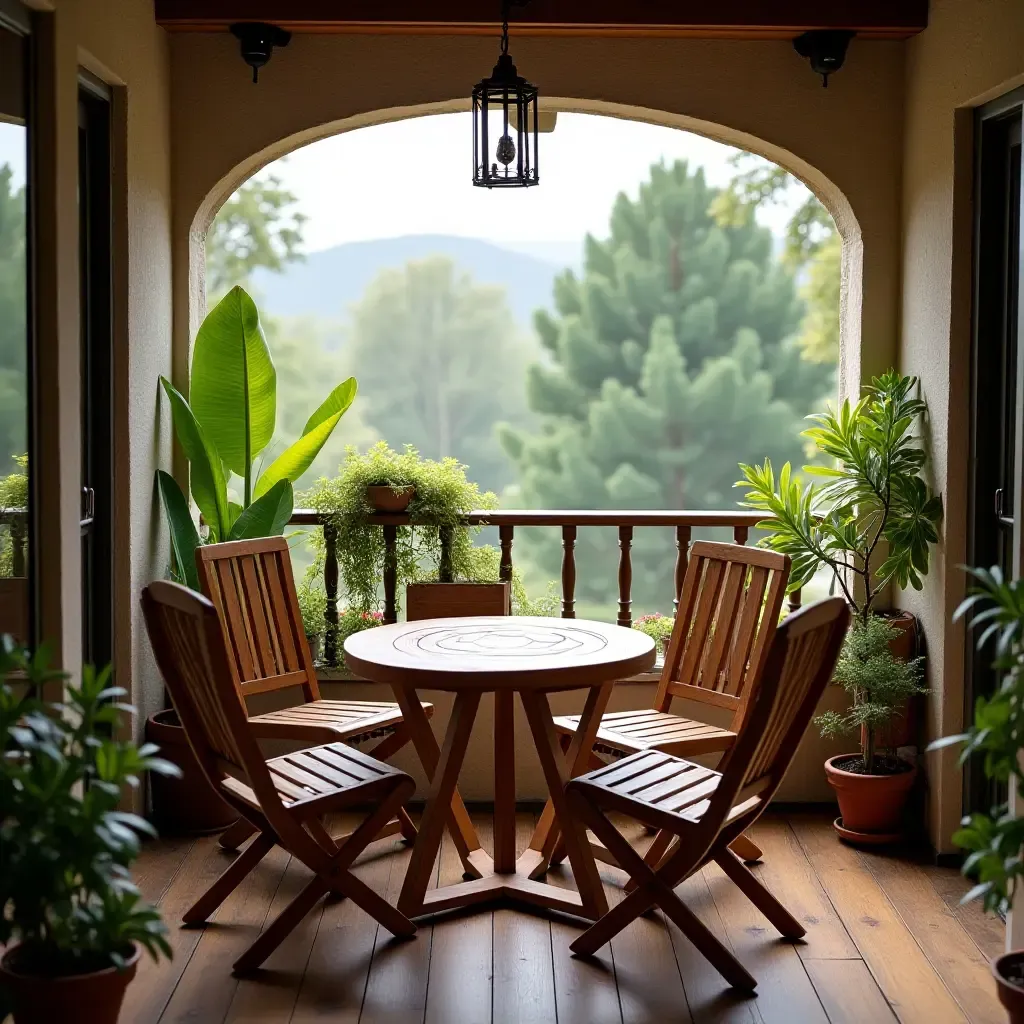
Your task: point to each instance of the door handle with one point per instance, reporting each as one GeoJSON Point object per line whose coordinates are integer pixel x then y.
{"type": "Point", "coordinates": [88, 506]}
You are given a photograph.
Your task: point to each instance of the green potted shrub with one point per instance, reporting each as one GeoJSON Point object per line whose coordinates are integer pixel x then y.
{"type": "Point", "coordinates": [72, 922]}
{"type": "Point", "coordinates": [871, 523]}
{"type": "Point", "coordinates": [313, 607]}
{"type": "Point", "coordinates": [658, 627]}
{"type": "Point", "coordinates": [224, 427]}
{"type": "Point", "coordinates": [14, 598]}
{"type": "Point", "coordinates": [994, 842]}
{"type": "Point", "coordinates": [439, 577]}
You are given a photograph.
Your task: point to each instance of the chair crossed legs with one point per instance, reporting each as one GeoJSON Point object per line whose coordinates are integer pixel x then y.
{"type": "Point", "coordinates": [284, 798]}
{"type": "Point", "coordinates": [704, 810]}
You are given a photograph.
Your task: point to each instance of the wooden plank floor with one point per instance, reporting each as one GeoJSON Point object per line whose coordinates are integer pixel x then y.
{"type": "Point", "coordinates": [886, 941]}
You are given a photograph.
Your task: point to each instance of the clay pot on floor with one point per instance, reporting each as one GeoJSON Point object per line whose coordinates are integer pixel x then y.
{"type": "Point", "coordinates": [1011, 992]}
{"type": "Point", "coordinates": [189, 805]}
{"type": "Point", "coordinates": [39, 998]}
{"type": "Point", "coordinates": [870, 806]}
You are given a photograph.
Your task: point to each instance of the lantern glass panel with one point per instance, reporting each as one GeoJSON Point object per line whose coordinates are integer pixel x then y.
{"type": "Point", "coordinates": [505, 134]}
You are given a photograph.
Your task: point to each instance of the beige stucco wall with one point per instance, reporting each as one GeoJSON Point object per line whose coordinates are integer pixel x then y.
{"type": "Point", "coordinates": [121, 45]}
{"type": "Point", "coordinates": [972, 51]}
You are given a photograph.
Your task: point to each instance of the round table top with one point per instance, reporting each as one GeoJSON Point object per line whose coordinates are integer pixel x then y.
{"type": "Point", "coordinates": [499, 652]}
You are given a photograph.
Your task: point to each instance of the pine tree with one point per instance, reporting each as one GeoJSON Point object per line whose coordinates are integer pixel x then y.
{"type": "Point", "coordinates": [670, 361]}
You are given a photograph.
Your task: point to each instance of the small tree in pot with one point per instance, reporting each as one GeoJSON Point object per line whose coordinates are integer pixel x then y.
{"type": "Point", "coordinates": [71, 919]}
{"type": "Point", "coordinates": [872, 522]}
{"type": "Point", "coordinates": [994, 841]}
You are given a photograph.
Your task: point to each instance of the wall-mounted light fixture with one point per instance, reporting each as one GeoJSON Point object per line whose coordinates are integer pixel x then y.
{"type": "Point", "coordinates": [258, 41]}
{"type": "Point", "coordinates": [825, 49]}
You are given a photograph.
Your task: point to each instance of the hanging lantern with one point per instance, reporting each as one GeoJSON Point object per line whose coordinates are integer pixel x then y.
{"type": "Point", "coordinates": [505, 124]}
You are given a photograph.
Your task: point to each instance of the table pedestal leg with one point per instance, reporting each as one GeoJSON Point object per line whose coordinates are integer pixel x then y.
{"type": "Point", "coordinates": [439, 803]}
{"type": "Point", "coordinates": [546, 835]}
{"type": "Point", "coordinates": [463, 833]}
{"type": "Point", "coordinates": [504, 782]}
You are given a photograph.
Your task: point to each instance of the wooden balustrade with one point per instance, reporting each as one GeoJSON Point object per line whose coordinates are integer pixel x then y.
{"type": "Point", "coordinates": [626, 522]}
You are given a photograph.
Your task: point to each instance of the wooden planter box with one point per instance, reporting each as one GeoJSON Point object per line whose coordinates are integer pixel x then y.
{"type": "Point", "coordinates": [456, 600]}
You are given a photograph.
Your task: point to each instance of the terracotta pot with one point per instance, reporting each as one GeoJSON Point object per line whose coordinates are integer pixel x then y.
{"type": "Point", "coordinates": [1010, 995]}
{"type": "Point", "coordinates": [386, 499]}
{"type": "Point", "coordinates": [189, 805]}
{"type": "Point", "coordinates": [870, 804]}
{"type": "Point", "coordinates": [93, 998]}
{"type": "Point", "coordinates": [453, 600]}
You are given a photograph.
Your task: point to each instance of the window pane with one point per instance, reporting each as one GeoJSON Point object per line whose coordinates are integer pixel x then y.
{"type": "Point", "coordinates": [14, 341]}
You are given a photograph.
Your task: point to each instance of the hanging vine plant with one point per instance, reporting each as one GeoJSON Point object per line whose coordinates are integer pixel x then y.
{"type": "Point", "coordinates": [444, 496]}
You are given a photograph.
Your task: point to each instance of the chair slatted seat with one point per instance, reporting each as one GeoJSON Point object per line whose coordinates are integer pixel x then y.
{"type": "Point", "coordinates": [284, 798]}
{"type": "Point", "coordinates": [250, 582]}
{"type": "Point", "coordinates": [705, 810]}
{"type": "Point", "coordinates": [729, 608]}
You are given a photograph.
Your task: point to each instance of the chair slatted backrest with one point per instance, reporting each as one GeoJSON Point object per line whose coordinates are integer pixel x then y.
{"type": "Point", "coordinates": [188, 641]}
{"type": "Point", "coordinates": [799, 666]}
{"type": "Point", "coordinates": [728, 611]}
{"type": "Point", "coordinates": [251, 584]}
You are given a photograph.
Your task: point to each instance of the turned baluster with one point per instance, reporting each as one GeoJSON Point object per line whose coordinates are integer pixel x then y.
{"type": "Point", "coordinates": [445, 573]}
{"type": "Point", "coordinates": [390, 573]}
{"type": "Point", "coordinates": [739, 534]}
{"type": "Point", "coordinates": [568, 572]}
{"type": "Point", "coordinates": [682, 559]}
{"type": "Point", "coordinates": [625, 617]}
{"type": "Point", "coordinates": [331, 590]}
{"type": "Point", "coordinates": [505, 535]}
{"type": "Point", "coordinates": [795, 600]}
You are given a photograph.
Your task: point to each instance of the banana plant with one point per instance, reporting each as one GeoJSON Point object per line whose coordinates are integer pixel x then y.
{"type": "Point", "coordinates": [226, 427]}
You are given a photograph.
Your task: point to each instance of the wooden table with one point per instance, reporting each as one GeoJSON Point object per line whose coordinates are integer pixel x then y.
{"type": "Point", "coordinates": [503, 655]}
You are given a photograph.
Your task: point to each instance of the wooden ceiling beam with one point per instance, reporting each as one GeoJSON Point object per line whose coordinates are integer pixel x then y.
{"type": "Point", "coordinates": [729, 19]}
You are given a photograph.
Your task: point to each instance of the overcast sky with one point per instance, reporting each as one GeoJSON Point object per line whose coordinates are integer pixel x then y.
{"type": "Point", "coordinates": [412, 177]}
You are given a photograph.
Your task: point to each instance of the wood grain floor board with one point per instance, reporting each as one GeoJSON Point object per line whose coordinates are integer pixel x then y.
{"type": "Point", "coordinates": [887, 941]}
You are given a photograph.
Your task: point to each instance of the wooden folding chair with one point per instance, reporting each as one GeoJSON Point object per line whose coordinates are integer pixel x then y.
{"type": "Point", "coordinates": [251, 584]}
{"type": "Point", "coordinates": [706, 810]}
{"type": "Point", "coordinates": [282, 798]}
{"type": "Point", "coordinates": [728, 611]}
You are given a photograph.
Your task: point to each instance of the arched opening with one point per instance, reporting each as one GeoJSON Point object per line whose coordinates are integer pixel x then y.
{"type": "Point", "coordinates": [714, 305]}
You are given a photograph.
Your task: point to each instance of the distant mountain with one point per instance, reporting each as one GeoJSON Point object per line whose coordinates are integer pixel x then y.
{"type": "Point", "coordinates": [328, 282]}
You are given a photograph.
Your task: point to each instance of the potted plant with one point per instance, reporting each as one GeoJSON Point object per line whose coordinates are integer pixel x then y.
{"type": "Point", "coordinates": [313, 607]}
{"type": "Point", "coordinates": [224, 426]}
{"type": "Point", "coordinates": [434, 557]}
{"type": "Point", "coordinates": [994, 841]}
{"type": "Point", "coordinates": [871, 523]}
{"type": "Point", "coordinates": [72, 921]}
{"type": "Point", "coordinates": [658, 627]}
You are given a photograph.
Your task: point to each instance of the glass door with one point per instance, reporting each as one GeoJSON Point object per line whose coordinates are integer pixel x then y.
{"type": "Point", "coordinates": [16, 597]}
{"type": "Point", "coordinates": [997, 435]}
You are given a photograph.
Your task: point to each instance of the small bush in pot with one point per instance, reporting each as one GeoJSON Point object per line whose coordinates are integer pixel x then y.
{"type": "Point", "coordinates": [871, 523]}
{"type": "Point", "coordinates": [313, 608]}
{"type": "Point", "coordinates": [72, 921]}
{"type": "Point", "coordinates": [994, 841]}
{"type": "Point", "coordinates": [658, 627]}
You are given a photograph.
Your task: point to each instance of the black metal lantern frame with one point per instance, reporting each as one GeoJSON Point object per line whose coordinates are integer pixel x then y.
{"type": "Point", "coordinates": [506, 157]}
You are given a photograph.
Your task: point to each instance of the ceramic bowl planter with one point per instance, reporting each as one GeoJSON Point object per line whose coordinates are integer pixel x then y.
{"type": "Point", "coordinates": [1008, 971]}
{"type": "Point", "coordinates": [870, 806]}
{"type": "Point", "coordinates": [186, 805]}
{"type": "Point", "coordinates": [38, 997]}
{"type": "Point", "coordinates": [386, 499]}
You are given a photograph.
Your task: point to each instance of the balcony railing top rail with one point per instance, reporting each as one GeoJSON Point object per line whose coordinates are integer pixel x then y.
{"type": "Point", "coordinates": [741, 522]}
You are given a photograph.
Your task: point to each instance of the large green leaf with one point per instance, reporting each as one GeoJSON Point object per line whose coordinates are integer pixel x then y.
{"type": "Point", "coordinates": [206, 477]}
{"type": "Point", "coordinates": [184, 535]}
{"type": "Point", "coordinates": [266, 516]}
{"type": "Point", "coordinates": [234, 384]}
{"type": "Point", "coordinates": [297, 458]}
{"type": "Point", "coordinates": [337, 401]}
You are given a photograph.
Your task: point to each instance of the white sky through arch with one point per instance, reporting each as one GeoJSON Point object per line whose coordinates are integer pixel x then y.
{"type": "Point", "coordinates": [412, 177]}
